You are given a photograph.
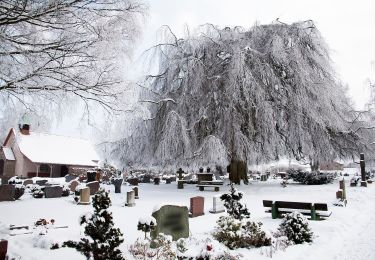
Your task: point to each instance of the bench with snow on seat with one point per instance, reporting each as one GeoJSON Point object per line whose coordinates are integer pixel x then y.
{"type": "Point", "coordinates": [202, 186]}
{"type": "Point", "coordinates": [316, 211]}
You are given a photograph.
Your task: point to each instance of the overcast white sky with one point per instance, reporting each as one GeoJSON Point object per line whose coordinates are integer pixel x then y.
{"type": "Point", "coordinates": [348, 27]}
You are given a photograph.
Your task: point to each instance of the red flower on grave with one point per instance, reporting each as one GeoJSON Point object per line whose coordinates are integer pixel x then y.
{"type": "Point", "coordinates": [209, 247]}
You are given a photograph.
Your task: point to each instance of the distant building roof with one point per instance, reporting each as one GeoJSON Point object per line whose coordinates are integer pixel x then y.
{"type": "Point", "coordinates": [56, 149]}
{"type": "Point", "coordinates": [8, 153]}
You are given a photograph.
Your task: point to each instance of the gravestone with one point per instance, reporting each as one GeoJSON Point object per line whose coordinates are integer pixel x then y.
{"type": "Point", "coordinates": [196, 206]}
{"type": "Point", "coordinates": [146, 178]}
{"type": "Point", "coordinates": [3, 249]}
{"type": "Point", "coordinates": [363, 170]}
{"type": "Point", "coordinates": [180, 181]}
{"type": "Point", "coordinates": [91, 176]}
{"type": "Point", "coordinates": [53, 191]}
{"type": "Point", "coordinates": [105, 179]}
{"type": "Point", "coordinates": [342, 187]}
{"type": "Point", "coordinates": [217, 205]}
{"type": "Point", "coordinates": [84, 198]}
{"type": "Point", "coordinates": [130, 199]}
{"type": "Point", "coordinates": [27, 182]}
{"type": "Point", "coordinates": [41, 182]}
{"type": "Point", "coordinates": [94, 187]}
{"type": "Point", "coordinates": [82, 178]}
{"type": "Point", "coordinates": [73, 185]}
{"type": "Point", "coordinates": [7, 192]}
{"type": "Point", "coordinates": [117, 183]}
{"type": "Point", "coordinates": [171, 220]}
{"type": "Point", "coordinates": [18, 192]}
{"type": "Point", "coordinates": [157, 181]}
{"type": "Point", "coordinates": [135, 189]}
{"type": "Point", "coordinates": [69, 177]}
{"type": "Point", "coordinates": [168, 181]}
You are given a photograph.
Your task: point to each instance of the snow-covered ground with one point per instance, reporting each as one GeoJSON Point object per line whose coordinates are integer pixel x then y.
{"type": "Point", "coordinates": [347, 234]}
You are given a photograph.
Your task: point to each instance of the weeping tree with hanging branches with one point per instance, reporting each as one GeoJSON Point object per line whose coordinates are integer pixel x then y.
{"type": "Point", "coordinates": [251, 95]}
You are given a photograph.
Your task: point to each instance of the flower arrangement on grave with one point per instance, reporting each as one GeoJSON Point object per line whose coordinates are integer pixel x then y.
{"type": "Point", "coordinates": [146, 225]}
{"type": "Point", "coordinates": [236, 230]}
{"type": "Point", "coordinates": [102, 239]}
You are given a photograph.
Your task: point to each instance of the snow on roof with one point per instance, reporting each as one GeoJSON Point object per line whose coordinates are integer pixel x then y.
{"type": "Point", "coordinates": [8, 153]}
{"type": "Point", "coordinates": [56, 149]}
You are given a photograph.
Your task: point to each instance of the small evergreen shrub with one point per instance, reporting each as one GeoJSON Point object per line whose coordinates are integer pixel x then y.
{"type": "Point", "coordinates": [296, 228]}
{"type": "Point", "coordinates": [235, 233]}
{"type": "Point", "coordinates": [102, 239]}
{"type": "Point", "coordinates": [311, 178]}
{"type": "Point", "coordinates": [233, 204]}
{"type": "Point", "coordinates": [162, 248]}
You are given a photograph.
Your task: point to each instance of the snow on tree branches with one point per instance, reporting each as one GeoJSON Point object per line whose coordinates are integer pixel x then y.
{"type": "Point", "coordinates": [254, 95]}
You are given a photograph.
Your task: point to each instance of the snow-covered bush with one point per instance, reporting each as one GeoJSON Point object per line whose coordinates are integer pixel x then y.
{"type": "Point", "coordinates": [15, 180]}
{"type": "Point", "coordinates": [233, 204]}
{"type": "Point", "coordinates": [235, 233]}
{"type": "Point", "coordinates": [296, 228]}
{"type": "Point", "coordinates": [311, 178]}
{"type": "Point", "coordinates": [102, 239]}
{"type": "Point", "coordinates": [162, 248]}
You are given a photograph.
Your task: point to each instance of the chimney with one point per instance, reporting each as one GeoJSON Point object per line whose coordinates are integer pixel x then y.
{"type": "Point", "coordinates": [24, 129]}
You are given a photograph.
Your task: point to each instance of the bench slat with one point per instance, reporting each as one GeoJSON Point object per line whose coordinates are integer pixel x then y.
{"type": "Point", "coordinates": [267, 203]}
{"type": "Point", "coordinates": [293, 205]}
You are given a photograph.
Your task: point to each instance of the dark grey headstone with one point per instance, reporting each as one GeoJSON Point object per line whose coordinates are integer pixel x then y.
{"type": "Point", "coordinates": [168, 180]}
{"type": "Point", "coordinates": [94, 187]}
{"type": "Point", "coordinates": [157, 181]}
{"type": "Point", "coordinates": [7, 192]}
{"type": "Point", "coordinates": [19, 191]}
{"type": "Point", "coordinates": [91, 176]}
{"type": "Point", "coordinates": [172, 220]}
{"type": "Point", "coordinates": [53, 191]}
{"type": "Point", "coordinates": [117, 183]}
{"type": "Point", "coordinates": [69, 177]}
{"type": "Point", "coordinates": [135, 189]}
{"type": "Point", "coordinates": [3, 248]}
{"type": "Point", "coordinates": [41, 182]}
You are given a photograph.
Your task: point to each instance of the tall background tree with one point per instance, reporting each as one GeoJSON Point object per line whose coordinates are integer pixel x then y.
{"type": "Point", "coordinates": [54, 50]}
{"type": "Point", "coordinates": [255, 95]}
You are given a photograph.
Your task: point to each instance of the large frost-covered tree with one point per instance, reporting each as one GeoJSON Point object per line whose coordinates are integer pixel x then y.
{"type": "Point", "coordinates": [254, 95]}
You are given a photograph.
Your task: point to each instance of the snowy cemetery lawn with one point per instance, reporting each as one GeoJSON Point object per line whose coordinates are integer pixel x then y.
{"type": "Point", "coordinates": [346, 234]}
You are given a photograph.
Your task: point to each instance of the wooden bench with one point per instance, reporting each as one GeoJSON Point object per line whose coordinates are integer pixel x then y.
{"type": "Point", "coordinates": [202, 186]}
{"type": "Point", "coordinates": [211, 183]}
{"type": "Point", "coordinates": [316, 211]}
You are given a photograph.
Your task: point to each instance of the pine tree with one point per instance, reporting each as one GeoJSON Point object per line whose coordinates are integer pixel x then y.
{"type": "Point", "coordinates": [233, 205]}
{"type": "Point", "coordinates": [102, 239]}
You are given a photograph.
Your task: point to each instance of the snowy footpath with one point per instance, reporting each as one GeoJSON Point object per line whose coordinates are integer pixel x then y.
{"type": "Point", "coordinates": [349, 233]}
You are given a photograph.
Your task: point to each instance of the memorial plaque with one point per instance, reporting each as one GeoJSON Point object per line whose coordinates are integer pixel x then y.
{"type": "Point", "coordinates": [53, 191]}
{"type": "Point", "coordinates": [73, 185]}
{"type": "Point", "coordinates": [84, 196]}
{"type": "Point", "coordinates": [217, 205]}
{"type": "Point", "coordinates": [196, 206]}
{"type": "Point", "coordinates": [130, 199]}
{"type": "Point", "coordinates": [135, 189]}
{"type": "Point", "coordinates": [94, 187]}
{"type": "Point", "coordinates": [172, 220]}
{"type": "Point", "coordinates": [7, 192]}
{"type": "Point", "coordinates": [117, 183]}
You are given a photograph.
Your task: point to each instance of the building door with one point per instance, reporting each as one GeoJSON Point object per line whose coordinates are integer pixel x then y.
{"type": "Point", "coordinates": [64, 170]}
{"type": "Point", "coordinates": [2, 167]}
